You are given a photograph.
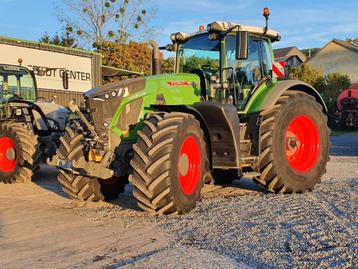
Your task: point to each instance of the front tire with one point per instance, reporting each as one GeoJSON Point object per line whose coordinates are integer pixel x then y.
{"type": "Point", "coordinates": [19, 152]}
{"type": "Point", "coordinates": [294, 144]}
{"type": "Point", "coordinates": [82, 187]}
{"type": "Point", "coordinates": [169, 164]}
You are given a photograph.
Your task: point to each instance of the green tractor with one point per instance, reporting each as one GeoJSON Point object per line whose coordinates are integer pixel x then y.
{"type": "Point", "coordinates": [222, 115]}
{"type": "Point", "coordinates": [29, 128]}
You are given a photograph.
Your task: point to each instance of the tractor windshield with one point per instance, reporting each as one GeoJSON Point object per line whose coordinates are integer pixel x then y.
{"type": "Point", "coordinates": [197, 52]}
{"type": "Point", "coordinates": [16, 82]}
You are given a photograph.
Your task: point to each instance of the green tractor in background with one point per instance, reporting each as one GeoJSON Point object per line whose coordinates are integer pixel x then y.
{"type": "Point", "coordinates": [222, 115]}
{"type": "Point", "coordinates": [29, 128]}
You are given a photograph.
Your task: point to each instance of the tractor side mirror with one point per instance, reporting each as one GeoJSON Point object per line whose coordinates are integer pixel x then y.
{"type": "Point", "coordinates": [242, 41]}
{"type": "Point", "coordinates": [65, 79]}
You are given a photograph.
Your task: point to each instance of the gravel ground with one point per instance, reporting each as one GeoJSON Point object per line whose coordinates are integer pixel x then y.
{"type": "Point", "coordinates": [237, 226]}
{"type": "Point", "coordinates": [318, 229]}
{"type": "Point", "coordinates": [240, 226]}
{"type": "Point", "coordinates": [260, 230]}
{"type": "Point", "coordinates": [312, 230]}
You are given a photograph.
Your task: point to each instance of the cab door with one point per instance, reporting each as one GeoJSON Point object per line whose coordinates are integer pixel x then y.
{"type": "Point", "coordinates": [249, 72]}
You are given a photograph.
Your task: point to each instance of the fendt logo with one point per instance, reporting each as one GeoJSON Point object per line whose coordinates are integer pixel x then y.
{"type": "Point", "coordinates": [179, 83]}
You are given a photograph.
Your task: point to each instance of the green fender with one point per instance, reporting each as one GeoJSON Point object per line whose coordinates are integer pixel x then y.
{"type": "Point", "coordinates": [266, 96]}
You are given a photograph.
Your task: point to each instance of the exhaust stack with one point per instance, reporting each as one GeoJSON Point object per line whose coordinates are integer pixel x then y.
{"type": "Point", "coordinates": [156, 61]}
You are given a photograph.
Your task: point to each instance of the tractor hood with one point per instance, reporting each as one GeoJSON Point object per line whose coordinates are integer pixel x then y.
{"type": "Point", "coordinates": [117, 88]}
{"type": "Point", "coordinates": [150, 83]}
{"type": "Point", "coordinates": [132, 98]}
{"type": "Point", "coordinates": [54, 112]}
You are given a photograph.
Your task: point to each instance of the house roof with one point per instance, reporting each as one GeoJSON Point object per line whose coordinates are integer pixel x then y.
{"type": "Point", "coordinates": [349, 45]}
{"type": "Point", "coordinates": [281, 53]}
{"type": "Point", "coordinates": [346, 44]}
{"type": "Point", "coordinates": [337, 56]}
{"type": "Point", "coordinates": [284, 54]}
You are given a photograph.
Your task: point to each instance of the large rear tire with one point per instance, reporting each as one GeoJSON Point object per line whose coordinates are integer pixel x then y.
{"type": "Point", "coordinates": [169, 164]}
{"type": "Point", "coordinates": [82, 187]}
{"type": "Point", "coordinates": [19, 152]}
{"type": "Point", "coordinates": [294, 144]}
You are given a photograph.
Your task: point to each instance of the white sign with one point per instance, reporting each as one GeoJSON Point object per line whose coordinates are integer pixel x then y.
{"type": "Point", "coordinates": [79, 68]}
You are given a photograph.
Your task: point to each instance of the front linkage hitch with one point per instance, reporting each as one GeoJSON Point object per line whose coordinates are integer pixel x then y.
{"type": "Point", "coordinates": [81, 166]}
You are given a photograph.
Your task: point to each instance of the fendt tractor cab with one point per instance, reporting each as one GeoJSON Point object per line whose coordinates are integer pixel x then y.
{"type": "Point", "coordinates": [221, 115]}
{"type": "Point", "coordinates": [29, 129]}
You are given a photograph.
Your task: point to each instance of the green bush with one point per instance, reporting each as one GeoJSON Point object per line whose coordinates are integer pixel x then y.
{"type": "Point", "coordinates": [310, 75]}
{"type": "Point", "coordinates": [336, 83]}
{"type": "Point", "coordinates": [329, 86]}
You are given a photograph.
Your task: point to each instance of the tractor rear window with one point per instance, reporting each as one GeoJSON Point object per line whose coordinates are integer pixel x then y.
{"type": "Point", "coordinates": [199, 51]}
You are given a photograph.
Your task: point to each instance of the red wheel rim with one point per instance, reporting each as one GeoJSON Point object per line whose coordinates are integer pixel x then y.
{"type": "Point", "coordinates": [189, 163]}
{"type": "Point", "coordinates": [7, 155]}
{"type": "Point", "coordinates": [302, 144]}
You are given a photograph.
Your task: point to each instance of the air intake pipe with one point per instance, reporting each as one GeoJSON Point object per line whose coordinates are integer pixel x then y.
{"type": "Point", "coordinates": [156, 61]}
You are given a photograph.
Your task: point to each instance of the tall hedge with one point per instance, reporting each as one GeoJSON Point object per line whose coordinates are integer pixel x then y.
{"type": "Point", "coordinates": [132, 56]}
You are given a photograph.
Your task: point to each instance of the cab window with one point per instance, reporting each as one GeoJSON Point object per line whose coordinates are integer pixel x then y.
{"type": "Point", "coordinates": [16, 82]}
{"type": "Point", "coordinates": [266, 56]}
{"type": "Point", "coordinates": [248, 72]}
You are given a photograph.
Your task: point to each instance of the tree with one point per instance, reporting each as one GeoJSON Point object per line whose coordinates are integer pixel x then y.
{"type": "Point", "coordinates": [352, 40]}
{"type": "Point", "coordinates": [66, 39]}
{"type": "Point", "coordinates": [96, 21]}
{"type": "Point", "coordinates": [310, 75]}
{"type": "Point", "coordinates": [168, 65]}
{"type": "Point", "coordinates": [336, 83]}
{"type": "Point", "coordinates": [329, 86]}
{"type": "Point", "coordinates": [132, 56]}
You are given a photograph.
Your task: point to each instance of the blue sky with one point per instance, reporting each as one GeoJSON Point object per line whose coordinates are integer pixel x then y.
{"type": "Point", "coordinates": [304, 23]}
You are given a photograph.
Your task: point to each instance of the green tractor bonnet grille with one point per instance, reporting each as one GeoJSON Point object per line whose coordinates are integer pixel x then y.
{"type": "Point", "coordinates": [104, 101]}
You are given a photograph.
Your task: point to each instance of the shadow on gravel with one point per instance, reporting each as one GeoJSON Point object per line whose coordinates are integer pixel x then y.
{"type": "Point", "coordinates": [248, 184]}
{"type": "Point", "coordinates": [344, 145]}
{"type": "Point", "coordinates": [126, 200]}
{"type": "Point", "coordinates": [47, 179]}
